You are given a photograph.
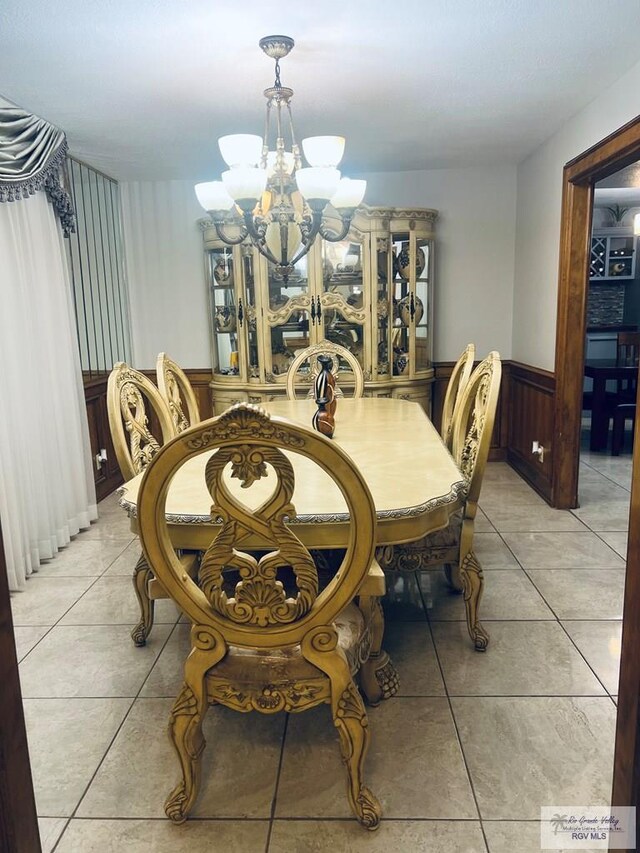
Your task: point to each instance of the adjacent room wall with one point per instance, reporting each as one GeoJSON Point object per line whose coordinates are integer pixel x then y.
{"type": "Point", "coordinates": [474, 260]}
{"type": "Point", "coordinates": [538, 217]}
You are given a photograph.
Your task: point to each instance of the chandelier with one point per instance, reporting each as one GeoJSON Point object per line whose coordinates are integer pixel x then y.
{"type": "Point", "coordinates": [267, 195]}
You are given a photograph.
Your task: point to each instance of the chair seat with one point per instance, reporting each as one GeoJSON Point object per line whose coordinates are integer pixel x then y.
{"type": "Point", "coordinates": [249, 677]}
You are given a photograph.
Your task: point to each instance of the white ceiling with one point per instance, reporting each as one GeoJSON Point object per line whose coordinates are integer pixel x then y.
{"type": "Point", "coordinates": [143, 88]}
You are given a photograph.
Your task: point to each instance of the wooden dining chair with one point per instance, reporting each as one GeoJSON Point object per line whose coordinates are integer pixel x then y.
{"type": "Point", "coordinates": [177, 393]}
{"type": "Point", "coordinates": [129, 392]}
{"type": "Point", "coordinates": [310, 356]}
{"type": "Point", "coordinates": [628, 355]}
{"type": "Point", "coordinates": [453, 546]}
{"type": "Point", "coordinates": [458, 380]}
{"type": "Point", "coordinates": [264, 636]}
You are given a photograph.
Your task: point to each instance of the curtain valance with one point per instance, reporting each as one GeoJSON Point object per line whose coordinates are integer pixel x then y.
{"type": "Point", "coordinates": [32, 155]}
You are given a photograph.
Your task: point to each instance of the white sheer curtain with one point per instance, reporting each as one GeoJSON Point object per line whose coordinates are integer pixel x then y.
{"type": "Point", "coordinates": [47, 492]}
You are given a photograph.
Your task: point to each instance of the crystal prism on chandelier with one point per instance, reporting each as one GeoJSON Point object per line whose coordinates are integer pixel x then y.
{"type": "Point", "coordinates": [283, 205]}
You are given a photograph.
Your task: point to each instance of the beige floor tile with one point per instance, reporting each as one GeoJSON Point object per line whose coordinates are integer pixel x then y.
{"type": "Point", "coordinates": [508, 594]}
{"type": "Point", "coordinates": [531, 518]}
{"type": "Point", "coordinates": [26, 639]}
{"type": "Point", "coordinates": [605, 515]}
{"type": "Point", "coordinates": [498, 496]}
{"type": "Point", "coordinates": [141, 767]}
{"type": "Point", "coordinates": [411, 649]}
{"type": "Point", "coordinates": [515, 835]}
{"type": "Point", "coordinates": [126, 562]}
{"type": "Point", "coordinates": [583, 594]}
{"type": "Point", "coordinates": [406, 836]}
{"type": "Point", "coordinates": [562, 551]}
{"type": "Point", "coordinates": [111, 525]}
{"type": "Point", "coordinates": [618, 541]}
{"type": "Point", "coordinates": [161, 836]}
{"type": "Point", "coordinates": [492, 552]}
{"type": "Point", "coordinates": [597, 489]}
{"type": "Point", "coordinates": [50, 831]}
{"type": "Point", "coordinates": [523, 659]}
{"type": "Point", "coordinates": [83, 558]}
{"type": "Point", "coordinates": [407, 737]}
{"type": "Point", "coordinates": [67, 740]}
{"type": "Point", "coordinates": [617, 469]}
{"type": "Point", "coordinates": [112, 601]}
{"type": "Point", "coordinates": [526, 752]}
{"type": "Point", "coordinates": [483, 525]}
{"type": "Point", "coordinates": [599, 642]}
{"type": "Point", "coordinates": [93, 661]}
{"type": "Point", "coordinates": [44, 600]}
{"type": "Point", "coordinates": [166, 677]}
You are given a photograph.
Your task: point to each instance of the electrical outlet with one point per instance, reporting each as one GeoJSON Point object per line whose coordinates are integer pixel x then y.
{"type": "Point", "coordinates": [538, 450]}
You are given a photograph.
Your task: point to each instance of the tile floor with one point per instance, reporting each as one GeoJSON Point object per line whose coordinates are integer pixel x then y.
{"type": "Point", "coordinates": [461, 759]}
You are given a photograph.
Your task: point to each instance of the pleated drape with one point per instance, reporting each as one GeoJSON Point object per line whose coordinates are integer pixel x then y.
{"type": "Point", "coordinates": [47, 492]}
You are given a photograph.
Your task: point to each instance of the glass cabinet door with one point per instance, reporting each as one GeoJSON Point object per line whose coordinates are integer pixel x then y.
{"type": "Point", "coordinates": [383, 308]}
{"type": "Point", "coordinates": [401, 301]}
{"type": "Point", "coordinates": [422, 306]}
{"type": "Point", "coordinates": [221, 276]}
{"type": "Point", "coordinates": [288, 312]}
{"type": "Point", "coordinates": [247, 312]}
{"type": "Point", "coordinates": [341, 309]}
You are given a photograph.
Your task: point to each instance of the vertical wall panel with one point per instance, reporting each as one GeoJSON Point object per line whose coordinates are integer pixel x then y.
{"type": "Point", "coordinates": [96, 260]}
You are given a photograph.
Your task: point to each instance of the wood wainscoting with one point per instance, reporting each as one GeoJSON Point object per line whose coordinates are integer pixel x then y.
{"type": "Point", "coordinates": [107, 474]}
{"type": "Point", "coordinates": [525, 414]}
{"type": "Point", "coordinates": [530, 405]}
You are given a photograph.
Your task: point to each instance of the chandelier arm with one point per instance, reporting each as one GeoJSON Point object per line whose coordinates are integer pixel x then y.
{"type": "Point", "coordinates": [257, 238]}
{"type": "Point", "coordinates": [309, 231]}
{"type": "Point", "coordinates": [230, 241]}
{"type": "Point", "coordinates": [335, 236]}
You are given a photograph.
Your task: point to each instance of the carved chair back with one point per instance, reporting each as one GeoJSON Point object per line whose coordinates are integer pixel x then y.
{"type": "Point", "coordinates": [128, 392]}
{"type": "Point", "coordinates": [310, 355]}
{"type": "Point", "coordinates": [628, 355]}
{"type": "Point", "coordinates": [457, 383]}
{"type": "Point", "coordinates": [176, 391]}
{"type": "Point", "coordinates": [260, 611]}
{"type": "Point", "coordinates": [473, 425]}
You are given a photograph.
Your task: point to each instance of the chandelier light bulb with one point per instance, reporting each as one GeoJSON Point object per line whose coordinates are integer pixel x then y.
{"type": "Point", "coordinates": [349, 193]}
{"type": "Point", "coordinates": [245, 184]}
{"type": "Point", "coordinates": [323, 150]}
{"type": "Point", "coordinates": [213, 195]}
{"type": "Point", "coordinates": [317, 182]}
{"type": "Point", "coordinates": [241, 149]}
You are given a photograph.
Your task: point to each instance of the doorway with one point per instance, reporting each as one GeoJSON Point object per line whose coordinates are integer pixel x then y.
{"type": "Point", "coordinates": [580, 176]}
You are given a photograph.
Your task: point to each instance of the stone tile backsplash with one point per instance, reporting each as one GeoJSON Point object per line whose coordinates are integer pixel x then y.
{"type": "Point", "coordinates": [605, 304]}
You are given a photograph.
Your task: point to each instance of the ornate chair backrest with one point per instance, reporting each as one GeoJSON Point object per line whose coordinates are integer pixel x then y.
{"type": "Point", "coordinates": [473, 425]}
{"type": "Point", "coordinates": [133, 441]}
{"type": "Point", "coordinates": [177, 393]}
{"type": "Point", "coordinates": [310, 354]}
{"type": "Point", "coordinates": [457, 383]}
{"type": "Point", "coordinates": [260, 612]}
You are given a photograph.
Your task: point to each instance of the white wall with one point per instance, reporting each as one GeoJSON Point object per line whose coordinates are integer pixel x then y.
{"type": "Point", "coordinates": [538, 217]}
{"type": "Point", "coordinates": [165, 270]}
{"type": "Point", "coordinates": [475, 236]}
{"type": "Point", "coordinates": [474, 260]}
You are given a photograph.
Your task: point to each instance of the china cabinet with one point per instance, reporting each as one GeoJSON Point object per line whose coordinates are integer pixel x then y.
{"type": "Point", "coordinates": [371, 292]}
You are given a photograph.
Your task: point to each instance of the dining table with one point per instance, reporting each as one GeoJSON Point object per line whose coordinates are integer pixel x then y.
{"type": "Point", "coordinates": [415, 484]}
{"type": "Point", "coordinates": [601, 371]}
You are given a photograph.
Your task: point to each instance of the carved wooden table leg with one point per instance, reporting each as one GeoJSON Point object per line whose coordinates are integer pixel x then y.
{"type": "Point", "coordinates": [141, 576]}
{"type": "Point", "coordinates": [378, 676]}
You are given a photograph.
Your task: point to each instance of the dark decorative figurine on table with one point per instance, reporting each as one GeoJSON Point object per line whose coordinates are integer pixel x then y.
{"type": "Point", "coordinates": [325, 396]}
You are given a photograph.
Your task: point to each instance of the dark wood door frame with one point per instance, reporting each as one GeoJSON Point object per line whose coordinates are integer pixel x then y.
{"type": "Point", "coordinates": [580, 175]}
{"type": "Point", "coordinates": [18, 822]}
